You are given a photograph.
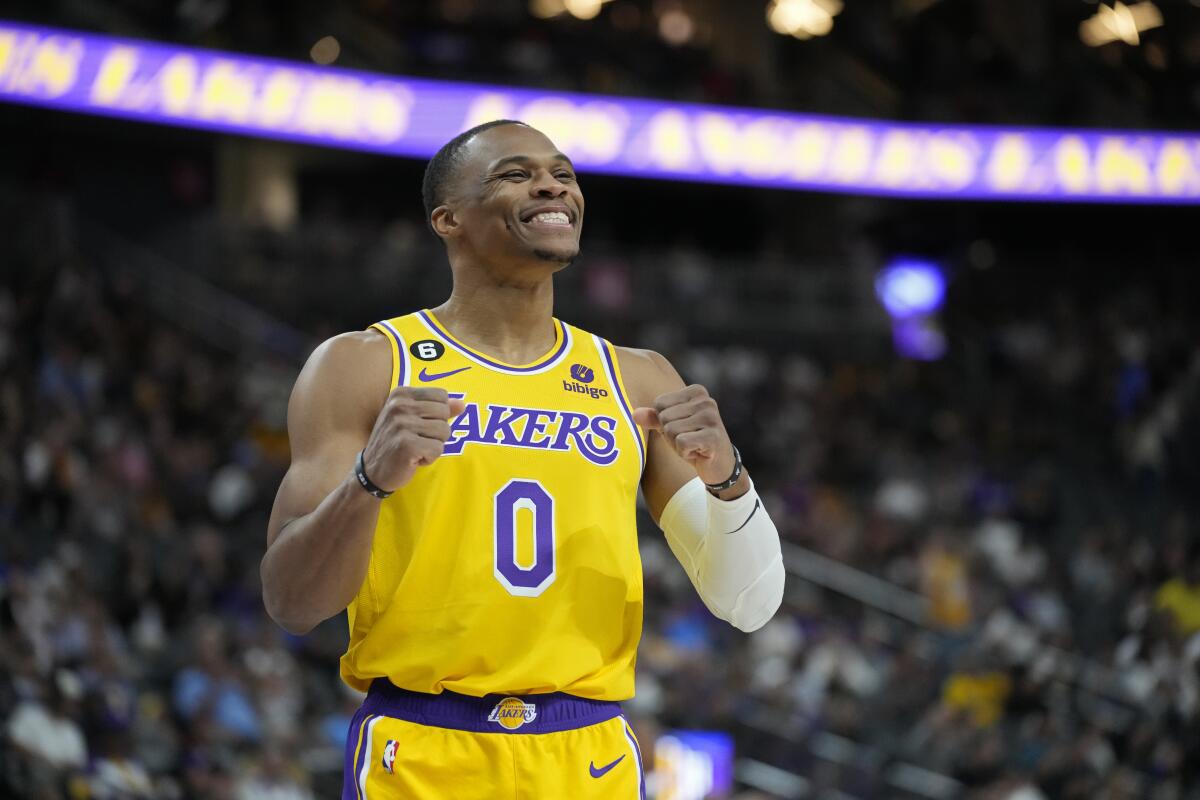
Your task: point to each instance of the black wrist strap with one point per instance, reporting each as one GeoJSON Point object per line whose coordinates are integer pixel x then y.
{"type": "Point", "coordinates": [714, 488]}
{"type": "Point", "coordinates": [361, 474]}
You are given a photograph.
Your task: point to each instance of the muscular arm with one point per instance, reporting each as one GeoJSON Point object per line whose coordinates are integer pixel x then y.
{"type": "Point", "coordinates": [321, 529]}
{"type": "Point", "coordinates": [728, 545]}
{"type": "Point", "coordinates": [322, 523]}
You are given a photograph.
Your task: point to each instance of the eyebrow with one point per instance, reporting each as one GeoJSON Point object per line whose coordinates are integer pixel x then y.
{"type": "Point", "coordinates": [526, 159]}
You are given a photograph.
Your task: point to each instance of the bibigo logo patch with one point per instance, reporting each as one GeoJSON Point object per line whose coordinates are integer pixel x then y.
{"type": "Point", "coordinates": [512, 712]}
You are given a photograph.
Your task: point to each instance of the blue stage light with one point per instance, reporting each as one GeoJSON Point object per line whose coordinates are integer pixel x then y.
{"type": "Point", "coordinates": [910, 286]}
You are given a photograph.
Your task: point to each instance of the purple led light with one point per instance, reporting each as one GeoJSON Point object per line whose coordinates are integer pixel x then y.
{"type": "Point", "coordinates": [918, 338]}
{"type": "Point", "coordinates": [335, 107]}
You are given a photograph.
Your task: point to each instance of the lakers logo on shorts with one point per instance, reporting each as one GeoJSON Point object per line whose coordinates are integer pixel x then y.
{"type": "Point", "coordinates": [513, 712]}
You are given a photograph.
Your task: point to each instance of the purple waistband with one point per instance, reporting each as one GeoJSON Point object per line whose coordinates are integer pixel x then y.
{"type": "Point", "coordinates": [493, 713]}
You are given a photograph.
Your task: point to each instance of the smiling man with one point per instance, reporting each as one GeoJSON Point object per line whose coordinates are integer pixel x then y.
{"type": "Point", "coordinates": [463, 483]}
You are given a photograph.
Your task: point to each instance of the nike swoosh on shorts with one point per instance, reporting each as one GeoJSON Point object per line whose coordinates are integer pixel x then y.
{"type": "Point", "coordinates": [600, 773]}
{"type": "Point", "coordinates": [426, 377]}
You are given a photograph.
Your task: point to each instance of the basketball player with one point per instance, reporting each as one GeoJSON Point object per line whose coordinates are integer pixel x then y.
{"type": "Point", "coordinates": [463, 482]}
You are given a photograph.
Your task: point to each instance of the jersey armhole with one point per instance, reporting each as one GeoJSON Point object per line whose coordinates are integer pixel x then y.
{"type": "Point", "coordinates": [399, 359]}
{"type": "Point", "coordinates": [612, 366]}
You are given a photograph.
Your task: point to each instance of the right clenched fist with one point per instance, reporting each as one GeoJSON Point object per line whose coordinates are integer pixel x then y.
{"type": "Point", "coordinates": [410, 432]}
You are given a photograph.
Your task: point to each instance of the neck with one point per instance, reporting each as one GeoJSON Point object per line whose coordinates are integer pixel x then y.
{"type": "Point", "coordinates": [508, 320]}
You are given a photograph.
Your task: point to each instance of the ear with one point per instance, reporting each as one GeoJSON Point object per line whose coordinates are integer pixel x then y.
{"type": "Point", "coordinates": [444, 223]}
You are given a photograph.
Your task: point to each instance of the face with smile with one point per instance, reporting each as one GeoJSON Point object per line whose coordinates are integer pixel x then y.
{"type": "Point", "coordinates": [515, 200]}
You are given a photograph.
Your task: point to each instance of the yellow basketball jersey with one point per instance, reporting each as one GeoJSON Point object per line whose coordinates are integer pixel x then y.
{"type": "Point", "coordinates": [509, 565]}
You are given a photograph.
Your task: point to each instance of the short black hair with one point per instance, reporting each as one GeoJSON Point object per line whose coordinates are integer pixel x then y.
{"type": "Point", "coordinates": [439, 172]}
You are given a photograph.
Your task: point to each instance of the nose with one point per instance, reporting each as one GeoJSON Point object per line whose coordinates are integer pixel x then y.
{"type": "Point", "coordinates": [546, 185]}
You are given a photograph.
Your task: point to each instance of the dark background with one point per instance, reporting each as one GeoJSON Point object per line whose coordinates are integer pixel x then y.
{"type": "Point", "coordinates": [1029, 498]}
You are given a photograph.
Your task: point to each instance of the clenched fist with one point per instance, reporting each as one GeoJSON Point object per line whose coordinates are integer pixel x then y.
{"type": "Point", "coordinates": [410, 432]}
{"type": "Point", "coordinates": [688, 419]}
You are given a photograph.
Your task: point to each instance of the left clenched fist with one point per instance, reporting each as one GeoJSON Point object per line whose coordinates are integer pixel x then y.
{"type": "Point", "coordinates": [690, 422]}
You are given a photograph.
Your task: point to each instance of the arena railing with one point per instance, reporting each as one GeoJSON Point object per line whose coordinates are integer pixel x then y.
{"type": "Point", "coordinates": [1096, 682]}
{"type": "Point", "coordinates": [219, 317]}
{"type": "Point", "coordinates": [888, 598]}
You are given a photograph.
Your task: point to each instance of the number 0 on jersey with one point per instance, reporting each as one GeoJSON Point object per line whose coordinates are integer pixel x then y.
{"type": "Point", "coordinates": [516, 496]}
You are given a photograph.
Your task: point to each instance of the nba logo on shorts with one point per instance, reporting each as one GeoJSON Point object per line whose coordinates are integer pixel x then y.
{"type": "Point", "coordinates": [582, 373]}
{"type": "Point", "coordinates": [389, 755]}
{"type": "Point", "coordinates": [512, 712]}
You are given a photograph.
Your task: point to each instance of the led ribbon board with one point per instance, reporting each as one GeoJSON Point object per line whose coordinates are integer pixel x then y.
{"type": "Point", "coordinates": [263, 97]}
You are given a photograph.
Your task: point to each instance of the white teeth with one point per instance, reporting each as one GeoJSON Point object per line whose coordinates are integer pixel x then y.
{"type": "Point", "coordinates": [552, 218]}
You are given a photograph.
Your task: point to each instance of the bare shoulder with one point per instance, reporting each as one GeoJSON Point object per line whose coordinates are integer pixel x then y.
{"type": "Point", "coordinates": [647, 374]}
{"type": "Point", "coordinates": [362, 358]}
{"type": "Point", "coordinates": [350, 372]}
{"type": "Point", "coordinates": [352, 349]}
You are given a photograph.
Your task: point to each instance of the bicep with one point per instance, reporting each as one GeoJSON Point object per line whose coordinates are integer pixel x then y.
{"type": "Point", "coordinates": [330, 416]}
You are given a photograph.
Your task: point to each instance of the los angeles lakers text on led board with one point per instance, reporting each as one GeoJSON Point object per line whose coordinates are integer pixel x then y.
{"type": "Point", "coordinates": [410, 117]}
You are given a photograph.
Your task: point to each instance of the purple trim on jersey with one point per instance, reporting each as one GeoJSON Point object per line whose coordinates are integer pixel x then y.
{"type": "Point", "coordinates": [637, 752]}
{"type": "Point", "coordinates": [482, 359]}
{"type": "Point", "coordinates": [610, 368]}
{"type": "Point", "coordinates": [401, 361]}
{"type": "Point", "coordinates": [351, 765]}
{"type": "Point", "coordinates": [556, 711]}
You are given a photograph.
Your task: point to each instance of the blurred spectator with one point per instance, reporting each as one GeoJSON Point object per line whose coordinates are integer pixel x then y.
{"type": "Point", "coordinates": [209, 685]}
{"type": "Point", "coordinates": [49, 742]}
{"type": "Point", "coordinates": [944, 581]}
{"type": "Point", "coordinates": [979, 693]}
{"type": "Point", "coordinates": [1180, 597]}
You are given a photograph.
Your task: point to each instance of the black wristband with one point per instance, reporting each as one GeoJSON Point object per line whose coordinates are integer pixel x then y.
{"type": "Point", "coordinates": [713, 488]}
{"type": "Point", "coordinates": [361, 474]}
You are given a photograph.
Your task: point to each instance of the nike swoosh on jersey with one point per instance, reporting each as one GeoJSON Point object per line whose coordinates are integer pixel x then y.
{"type": "Point", "coordinates": [602, 771]}
{"type": "Point", "coordinates": [426, 377]}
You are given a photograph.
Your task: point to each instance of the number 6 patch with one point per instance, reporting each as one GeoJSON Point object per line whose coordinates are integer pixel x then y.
{"type": "Point", "coordinates": [427, 349]}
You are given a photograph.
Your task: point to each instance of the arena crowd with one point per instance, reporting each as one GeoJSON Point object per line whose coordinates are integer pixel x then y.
{"type": "Point", "coordinates": [1031, 487]}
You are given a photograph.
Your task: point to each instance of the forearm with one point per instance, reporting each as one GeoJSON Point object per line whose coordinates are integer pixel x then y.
{"type": "Point", "coordinates": [731, 552]}
{"type": "Point", "coordinates": [316, 564]}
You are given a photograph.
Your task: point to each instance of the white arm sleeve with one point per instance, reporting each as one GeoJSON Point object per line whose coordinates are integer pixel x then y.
{"type": "Point", "coordinates": [730, 550]}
